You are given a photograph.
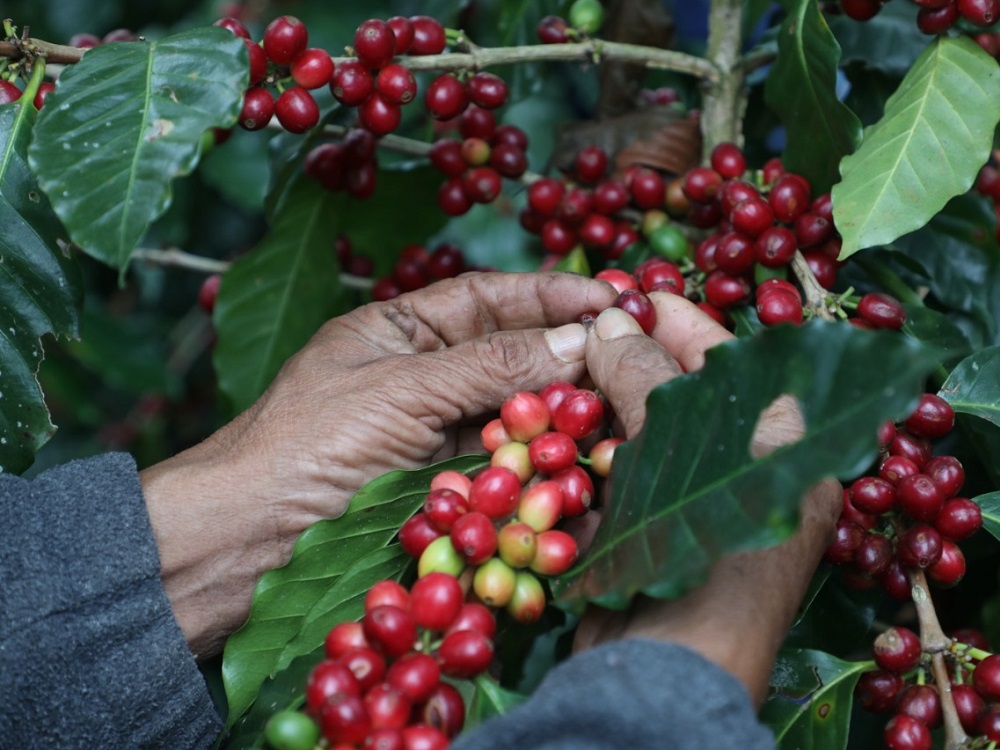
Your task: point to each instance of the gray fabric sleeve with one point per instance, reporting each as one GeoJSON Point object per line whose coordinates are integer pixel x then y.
{"type": "Point", "coordinates": [629, 694]}
{"type": "Point", "coordinates": [90, 653]}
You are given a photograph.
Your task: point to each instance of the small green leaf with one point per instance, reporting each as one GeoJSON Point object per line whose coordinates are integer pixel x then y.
{"type": "Point", "coordinates": [575, 261]}
{"type": "Point", "coordinates": [686, 489]}
{"type": "Point", "coordinates": [810, 705]}
{"type": "Point", "coordinates": [335, 562]}
{"type": "Point", "coordinates": [123, 123]}
{"type": "Point", "coordinates": [40, 292]}
{"type": "Point", "coordinates": [936, 133]}
{"type": "Point", "coordinates": [973, 387]}
{"type": "Point", "coordinates": [802, 89]}
{"type": "Point", "coordinates": [489, 700]}
{"type": "Point", "coordinates": [989, 504]}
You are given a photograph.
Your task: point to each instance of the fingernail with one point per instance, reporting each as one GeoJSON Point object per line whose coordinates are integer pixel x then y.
{"type": "Point", "coordinates": [614, 323]}
{"type": "Point", "coordinates": [567, 342]}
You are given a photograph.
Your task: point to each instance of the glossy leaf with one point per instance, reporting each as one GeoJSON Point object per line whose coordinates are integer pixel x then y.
{"type": "Point", "coordinates": [333, 565]}
{"type": "Point", "coordinates": [108, 145]}
{"type": "Point", "coordinates": [276, 297]}
{"type": "Point", "coordinates": [686, 489]}
{"type": "Point", "coordinates": [39, 292]}
{"type": "Point", "coordinates": [973, 387]}
{"type": "Point", "coordinates": [811, 700]}
{"type": "Point", "coordinates": [937, 330]}
{"type": "Point", "coordinates": [989, 504]}
{"type": "Point", "coordinates": [489, 700]}
{"type": "Point", "coordinates": [575, 261]}
{"type": "Point", "coordinates": [936, 133]}
{"type": "Point", "coordinates": [802, 89]}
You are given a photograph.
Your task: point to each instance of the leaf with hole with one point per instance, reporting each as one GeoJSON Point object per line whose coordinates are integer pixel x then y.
{"type": "Point", "coordinates": [688, 489]}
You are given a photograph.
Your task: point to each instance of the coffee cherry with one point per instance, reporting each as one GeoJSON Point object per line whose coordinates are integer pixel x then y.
{"type": "Point", "coordinates": [396, 84]}
{"type": "Point", "coordinates": [788, 198]}
{"type": "Point", "coordinates": [579, 414]}
{"type": "Point", "coordinates": [861, 10]}
{"type": "Point", "coordinates": [969, 705]}
{"type": "Point", "coordinates": [258, 62]}
{"type": "Point", "coordinates": [725, 291]}
{"type": "Point", "coordinates": [873, 555]}
{"type": "Point", "coordinates": [474, 537]}
{"type": "Point", "coordinates": [329, 678]}
{"type": "Point", "coordinates": [554, 394]}
{"type": "Point", "coordinates": [482, 184]}
{"type": "Point", "coordinates": [937, 20]}
{"type": "Point", "coordinates": [508, 160]}
{"type": "Point", "coordinates": [904, 732]}
{"type": "Point", "coordinates": [402, 30]}
{"type": "Point", "coordinates": [958, 519]}
{"type": "Point", "coordinates": [351, 83]}
{"type": "Point", "coordinates": [444, 506]}
{"type": "Point", "coordinates": [847, 537]}
{"type": "Point", "coordinates": [779, 307]}
{"type": "Point", "coordinates": [979, 12]}
{"type": "Point", "coordinates": [577, 490]}
{"type": "Point", "coordinates": [474, 617]}
{"type": "Point", "coordinates": [701, 184]}
{"type": "Point", "coordinates": [415, 674]}
{"type": "Point", "coordinates": [895, 468]}
{"type": "Point", "coordinates": [441, 556]}
{"type": "Point", "coordinates": [774, 247]}
{"type": "Point", "coordinates": [444, 710]}
{"type": "Point", "coordinates": [897, 650]}
{"type": "Point", "coordinates": [545, 195]}
{"type": "Point", "coordinates": [516, 544]}
{"type": "Point", "coordinates": [452, 197]}
{"type": "Point", "coordinates": [494, 583]}
{"type": "Point", "coordinates": [661, 275]}
{"type": "Point", "coordinates": [367, 666]}
{"type": "Point", "coordinates": [495, 492]}
{"type": "Point", "coordinates": [379, 115]}
{"type": "Point", "coordinates": [823, 268]}
{"type": "Point", "coordinates": [524, 416]}
{"type": "Point", "coordinates": [989, 722]}
{"type": "Point", "coordinates": [387, 592]}
{"type": "Point", "coordinates": [344, 720]}
{"type": "Point", "coordinates": [343, 638]}
{"type": "Point", "coordinates": [877, 690]}
{"type": "Point", "coordinates": [428, 36]}
{"type": "Point", "coordinates": [556, 552]}
{"type": "Point", "coordinates": [919, 497]}
{"type": "Point", "coordinates": [950, 568]}
{"type": "Point", "coordinates": [494, 435]}
{"type": "Point", "coordinates": [933, 417]}
{"type": "Point", "coordinates": [527, 603]}
{"type": "Point", "coordinates": [553, 30]}
{"type": "Point", "coordinates": [590, 165]}
{"type": "Point", "coordinates": [917, 450]}
{"type": "Point", "coordinates": [735, 253]}
{"type": "Point", "coordinates": [921, 703]}
{"type": "Point", "coordinates": [552, 452]}
{"type": "Point", "coordinates": [258, 108]}
{"type": "Point", "coordinates": [285, 38]}
{"type": "Point", "coordinates": [986, 678]}
{"type": "Point", "coordinates": [390, 629]}
{"type": "Point", "coordinates": [948, 474]}
{"type": "Point", "coordinates": [752, 216]}
{"type": "Point", "coordinates": [487, 90]}
{"type": "Point", "coordinates": [647, 189]}
{"type": "Point", "coordinates": [388, 707]}
{"type": "Point", "coordinates": [296, 110]}
{"type": "Point", "coordinates": [233, 25]}
{"type": "Point", "coordinates": [445, 97]}
{"type": "Point", "coordinates": [639, 306]}
{"type": "Point", "coordinates": [514, 456]}
{"type": "Point", "coordinates": [374, 43]}
{"type": "Point", "coordinates": [435, 601]}
{"type": "Point", "coordinates": [465, 654]}
{"type": "Point", "coordinates": [896, 582]}
{"type": "Point", "coordinates": [882, 311]}
{"type": "Point", "coordinates": [727, 159]}
{"type": "Point", "coordinates": [919, 547]}
{"type": "Point", "coordinates": [541, 504]}
{"type": "Point", "coordinates": [312, 69]}
{"type": "Point", "coordinates": [289, 729]}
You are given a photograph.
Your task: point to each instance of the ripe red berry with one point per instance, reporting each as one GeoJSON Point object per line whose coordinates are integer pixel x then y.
{"type": "Point", "coordinates": [728, 160]}
{"type": "Point", "coordinates": [351, 83]}
{"type": "Point", "coordinates": [877, 690]}
{"type": "Point", "coordinates": [487, 90]}
{"type": "Point", "coordinates": [374, 43]}
{"type": "Point", "coordinates": [379, 115]}
{"type": "Point", "coordinates": [933, 417]}
{"type": "Point", "coordinates": [396, 84]}
{"type": "Point", "coordinates": [556, 552]}
{"type": "Point", "coordinates": [919, 497]}
{"type": "Point", "coordinates": [897, 650]}
{"type": "Point", "coordinates": [774, 247]}
{"type": "Point", "coordinates": [444, 710]}
{"type": "Point", "coordinates": [445, 97]}
{"type": "Point", "coordinates": [465, 654]}
{"type": "Point", "coordinates": [917, 450]}
{"type": "Point", "coordinates": [861, 10]}
{"type": "Point", "coordinates": [509, 161]}
{"type": "Point", "coordinates": [557, 237]}
{"type": "Point", "coordinates": [482, 184]}
{"type": "Point", "coordinates": [873, 555]}
{"type": "Point", "coordinates": [495, 492]}
{"type": "Point", "coordinates": [579, 414]}
{"type": "Point", "coordinates": [524, 415]}
{"type": "Point", "coordinates": [638, 305]}
{"type": "Point", "coordinates": [296, 110]}
{"type": "Point", "coordinates": [847, 537]}
{"type": "Point", "coordinates": [552, 452]}
{"type": "Point", "coordinates": [919, 547]}
{"type": "Point", "coordinates": [577, 490]}
{"type": "Point", "coordinates": [948, 473]}
{"type": "Point", "coordinates": [937, 20]}
{"type": "Point", "coordinates": [415, 674]}
{"type": "Point", "coordinates": [979, 12]}
{"type": "Point", "coordinates": [344, 720]}
{"type": "Point", "coordinates": [285, 38]}
{"type": "Point", "coordinates": [541, 505]}
{"type": "Point", "coordinates": [590, 164]}
{"type": "Point", "coordinates": [725, 291]}
{"type": "Point", "coordinates": [986, 678]}
{"type": "Point", "coordinates": [921, 703]}
{"type": "Point", "coordinates": [882, 311]}
{"type": "Point", "coordinates": [312, 69]}
{"type": "Point", "coordinates": [905, 732]}
{"type": "Point", "coordinates": [895, 468]}
{"type": "Point", "coordinates": [232, 25]}
{"type": "Point", "coordinates": [950, 568]}
{"type": "Point", "coordinates": [421, 736]}
{"type": "Point", "coordinates": [701, 184]}
{"type": "Point", "coordinates": [452, 197]}
{"type": "Point", "coordinates": [343, 638]}
{"type": "Point", "coordinates": [417, 533]}
{"type": "Point", "coordinates": [969, 705]}
{"type": "Point", "coordinates": [788, 198]}
{"type": "Point", "coordinates": [208, 292]}
{"type": "Point", "coordinates": [258, 108]}
{"type": "Point", "coordinates": [428, 36]}
{"type": "Point", "coordinates": [435, 601]}
{"type": "Point", "coordinates": [390, 629]}
{"type": "Point", "coordinates": [387, 592]}
{"type": "Point", "coordinates": [258, 62]}
{"type": "Point", "coordinates": [328, 678]}
{"type": "Point", "coordinates": [647, 189]}
{"type": "Point", "coordinates": [958, 519]}
{"type": "Point", "coordinates": [387, 706]}
{"type": "Point", "coordinates": [444, 506]}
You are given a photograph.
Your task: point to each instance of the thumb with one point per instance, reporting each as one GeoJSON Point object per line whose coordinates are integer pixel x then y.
{"type": "Point", "coordinates": [477, 375]}
{"type": "Point", "coordinates": [626, 364]}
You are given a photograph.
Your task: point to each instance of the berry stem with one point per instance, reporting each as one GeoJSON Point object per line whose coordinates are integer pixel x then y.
{"type": "Point", "coordinates": [934, 641]}
{"type": "Point", "coordinates": [37, 76]}
{"type": "Point", "coordinates": [815, 294]}
{"type": "Point", "coordinates": [53, 53]}
{"type": "Point", "coordinates": [724, 99]}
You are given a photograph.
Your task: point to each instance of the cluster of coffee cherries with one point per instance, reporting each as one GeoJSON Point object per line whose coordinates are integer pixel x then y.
{"type": "Point", "coordinates": [988, 184]}
{"type": "Point", "coordinates": [899, 687]}
{"type": "Point", "coordinates": [349, 163]}
{"type": "Point", "coordinates": [418, 266]}
{"type": "Point", "coordinates": [584, 18]}
{"type": "Point", "coordinates": [907, 515]}
{"type": "Point", "coordinates": [583, 208]}
{"type": "Point", "coordinates": [500, 530]}
{"type": "Point", "coordinates": [934, 16]}
{"type": "Point", "coordinates": [382, 682]}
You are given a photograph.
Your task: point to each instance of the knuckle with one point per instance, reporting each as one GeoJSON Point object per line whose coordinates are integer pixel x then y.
{"type": "Point", "coordinates": [505, 354]}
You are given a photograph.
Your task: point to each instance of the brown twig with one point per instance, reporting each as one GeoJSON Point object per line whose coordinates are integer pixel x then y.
{"type": "Point", "coordinates": [724, 99]}
{"type": "Point", "coordinates": [934, 641]}
{"type": "Point", "coordinates": [815, 294]}
{"type": "Point", "coordinates": [53, 53]}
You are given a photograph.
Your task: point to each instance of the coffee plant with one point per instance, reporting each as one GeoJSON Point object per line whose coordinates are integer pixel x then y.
{"type": "Point", "coordinates": [185, 197]}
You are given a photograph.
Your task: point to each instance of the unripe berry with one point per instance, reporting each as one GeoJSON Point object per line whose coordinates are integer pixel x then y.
{"type": "Point", "coordinates": [494, 583]}
{"type": "Point", "coordinates": [516, 544]}
{"type": "Point", "coordinates": [540, 506]}
{"type": "Point", "coordinates": [514, 456]}
{"type": "Point", "coordinates": [527, 603]}
{"type": "Point", "coordinates": [440, 555]}
{"type": "Point", "coordinates": [452, 480]}
{"type": "Point", "coordinates": [524, 416]}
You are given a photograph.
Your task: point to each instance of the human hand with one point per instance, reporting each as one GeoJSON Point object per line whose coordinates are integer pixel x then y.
{"type": "Point", "coordinates": [739, 617]}
{"type": "Point", "coordinates": [383, 387]}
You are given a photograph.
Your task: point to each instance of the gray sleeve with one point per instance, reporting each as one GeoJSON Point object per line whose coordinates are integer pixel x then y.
{"type": "Point", "coordinates": [90, 653]}
{"type": "Point", "coordinates": [629, 694]}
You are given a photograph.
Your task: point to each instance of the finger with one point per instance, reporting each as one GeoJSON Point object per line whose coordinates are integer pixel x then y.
{"type": "Point", "coordinates": [459, 310]}
{"type": "Point", "coordinates": [684, 330]}
{"type": "Point", "coordinates": [626, 364]}
{"type": "Point", "coordinates": [474, 377]}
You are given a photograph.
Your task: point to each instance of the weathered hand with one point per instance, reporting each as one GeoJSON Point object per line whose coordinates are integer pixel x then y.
{"type": "Point", "coordinates": [380, 388]}
{"type": "Point", "coordinates": [739, 617]}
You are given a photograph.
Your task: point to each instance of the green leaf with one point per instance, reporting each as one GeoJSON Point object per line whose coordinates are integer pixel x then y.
{"type": "Point", "coordinates": [489, 700]}
{"type": "Point", "coordinates": [890, 42]}
{"type": "Point", "coordinates": [802, 89]}
{"type": "Point", "coordinates": [123, 123]}
{"type": "Point", "coordinates": [936, 133]}
{"type": "Point", "coordinates": [276, 297]}
{"type": "Point", "coordinates": [40, 292]}
{"type": "Point", "coordinates": [686, 490]}
{"type": "Point", "coordinates": [989, 504]}
{"type": "Point", "coordinates": [973, 387]}
{"type": "Point", "coordinates": [575, 261]}
{"type": "Point", "coordinates": [335, 562]}
{"type": "Point", "coordinates": [810, 705]}
{"type": "Point", "coordinates": [937, 330]}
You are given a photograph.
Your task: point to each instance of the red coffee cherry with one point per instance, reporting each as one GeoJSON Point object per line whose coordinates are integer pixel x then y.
{"type": "Point", "coordinates": [396, 84]}
{"type": "Point", "coordinates": [367, 665]}
{"type": "Point", "coordinates": [258, 62]}
{"type": "Point", "coordinates": [958, 519]}
{"type": "Point", "coordinates": [986, 678]}
{"type": "Point", "coordinates": [728, 160]}
{"type": "Point", "coordinates": [933, 417]}
{"type": "Point", "coordinates": [379, 115]}
{"type": "Point", "coordinates": [387, 592]}
{"type": "Point", "coordinates": [919, 547]}
{"type": "Point", "coordinates": [417, 533]}
{"type": "Point", "coordinates": [882, 311]}
{"type": "Point", "coordinates": [415, 674]}
{"type": "Point", "coordinates": [897, 650]}
{"type": "Point", "coordinates": [640, 307]}
{"type": "Point", "coordinates": [579, 414]}
{"type": "Point", "coordinates": [351, 83]}
{"type": "Point", "coordinates": [487, 90]}
{"type": "Point", "coordinates": [402, 29]}
{"type": "Point", "coordinates": [445, 97]}
{"type": "Point", "coordinates": [374, 43]}
{"type": "Point", "coordinates": [577, 490]}
{"type": "Point", "coordinates": [428, 36]}
{"type": "Point", "coordinates": [877, 690]}
{"type": "Point", "coordinates": [905, 732]}
{"type": "Point", "coordinates": [950, 568]}
{"type": "Point", "coordinates": [390, 629]}
{"type": "Point", "coordinates": [465, 654]}
{"type": "Point", "coordinates": [495, 492]}
{"type": "Point", "coordinates": [921, 703]}
{"type": "Point", "coordinates": [327, 679]}
{"type": "Point", "coordinates": [444, 710]}
{"type": "Point", "coordinates": [388, 707]}
{"type": "Point", "coordinates": [258, 108]}
{"type": "Point", "coordinates": [312, 69]}
{"type": "Point", "coordinates": [285, 38]}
